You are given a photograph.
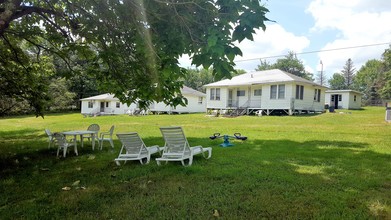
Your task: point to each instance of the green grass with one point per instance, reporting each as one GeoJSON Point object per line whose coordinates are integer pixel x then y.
{"type": "Point", "coordinates": [327, 166]}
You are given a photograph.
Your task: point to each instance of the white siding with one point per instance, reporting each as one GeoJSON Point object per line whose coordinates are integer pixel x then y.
{"type": "Point", "coordinates": [347, 101]}
{"type": "Point", "coordinates": [268, 103]}
{"type": "Point", "coordinates": [308, 102]}
{"type": "Point", "coordinates": [217, 104]}
{"type": "Point", "coordinates": [192, 106]}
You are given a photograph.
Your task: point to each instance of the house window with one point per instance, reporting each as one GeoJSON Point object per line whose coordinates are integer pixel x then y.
{"type": "Point", "coordinates": [299, 92]}
{"type": "Point", "coordinates": [258, 92]}
{"type": "Point", "coordinates": [200, 100]}
{"type": "Point", "coordinates": [277, 90]}
{"type": "Point", "coordinates": [107, 104]}
{"type": "Point", "coordinates": [339, 97]}
{"type": "Point", "coordinates": [240, 93]}
{"type": "Point", "coordinates": [317, 95]}
{"type": "Point", "coordinates": [212, 94]}
{"type": "Point", "coordinates": [215, 94]}
{"type": "Point", "coordinates": [355, 98]}
{"type": "Point", "coordinates": [117, 104]}
{"type": "Point", "coordinates": [273, 92]}
{"type": "Point", "coordinates": [90, 104]}
{"type": "Point", "coordinates": [281, 91]}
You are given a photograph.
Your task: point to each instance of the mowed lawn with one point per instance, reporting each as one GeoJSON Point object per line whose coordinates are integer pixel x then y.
{"type": "Point", "coordinates": [320, 166]}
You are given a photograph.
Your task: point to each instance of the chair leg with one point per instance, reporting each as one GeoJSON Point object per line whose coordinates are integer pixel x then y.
{"type": "Point", "coordinates": [111, 143]}
{"type": "Point", "coordinates": [100, 144]}
{"type": "Point", "coordinates": [65, 151]}
{"type": "Point", "coordinates": [58, 151]}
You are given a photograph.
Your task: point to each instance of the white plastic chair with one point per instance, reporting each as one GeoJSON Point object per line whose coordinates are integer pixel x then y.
{"type": "Point", "coordinates": [177, 148]}
{"type": "Point", "coordinates": [106, 136]}
{"type": "Point", "coordinates": [63, 144]}
{"type": "Point", "coordinates": [92, 127]}
{"type": "Point", "coordinates": [133, 148]}
{"type": "Point", "coordinates": [50, 136]}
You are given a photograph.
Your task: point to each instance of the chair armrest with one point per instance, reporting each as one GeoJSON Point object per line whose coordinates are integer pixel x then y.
{"type": "Point", "coordinates": [103, 134]}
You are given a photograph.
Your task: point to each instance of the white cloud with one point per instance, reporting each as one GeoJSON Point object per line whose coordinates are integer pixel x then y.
{"type": "Point", "coordinates": [358, 22]}
{"type": "Point", "coordinates": [273, 42]}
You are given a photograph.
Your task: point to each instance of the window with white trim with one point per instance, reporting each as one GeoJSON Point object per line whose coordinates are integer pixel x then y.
{"type": "Point", "coordinates": [355, 98]}
{"type": "Point", "coordinates": [273, 92]}
{"type": "Point", "coordinates": [281, 91]}
{"type": "Point", "coordinates": [257, 92]}
{"type": "Point", "coordinates": [118, 104]}
{"type": "Point", "coordinates": [299, 92]}
{"type": "Point", "coordinates": [200, 99]}
{"type": "Point", "coordinates": [240, 93]}
{"type": "Point", "coordinates": [90, 104]}
{"type": "Point", "coordinates": [317, 95]}
{"type": "Point", "coordinates": [214, 94]}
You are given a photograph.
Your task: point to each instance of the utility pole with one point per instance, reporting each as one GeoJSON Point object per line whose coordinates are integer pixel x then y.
{"type": "Point", "coordinates": [321, 73]}
{"type": "Point", "coordinates": [320, 78]}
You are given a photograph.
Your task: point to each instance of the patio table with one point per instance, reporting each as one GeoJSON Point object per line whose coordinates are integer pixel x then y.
{"type": "Point", "coordinates": [81, 133]}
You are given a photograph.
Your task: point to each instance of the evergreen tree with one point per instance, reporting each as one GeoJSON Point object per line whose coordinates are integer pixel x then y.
{"type": "Point", "coordinates": [348, 73]}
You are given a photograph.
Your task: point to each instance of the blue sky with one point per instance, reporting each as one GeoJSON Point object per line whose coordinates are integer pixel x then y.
{"type": "Point", "coordinates": [318, 25]}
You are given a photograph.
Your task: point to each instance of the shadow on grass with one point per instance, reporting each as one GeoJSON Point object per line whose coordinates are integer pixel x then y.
{"type": "Point", "coordinates": [274, 179]}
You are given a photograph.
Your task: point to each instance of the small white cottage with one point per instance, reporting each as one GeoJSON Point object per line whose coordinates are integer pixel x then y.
{"type": "Point", "coordinates": [107, 104]}
{"type": "Point", "coordinates": [265, 92]}
{"type": "Point", "coordinates": [343, 99]}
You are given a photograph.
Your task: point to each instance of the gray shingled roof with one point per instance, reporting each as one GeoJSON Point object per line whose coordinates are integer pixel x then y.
{"type": "Point", "coordinates": [261, 77]}
{"type": "Point", "coordinates": [110, 97]}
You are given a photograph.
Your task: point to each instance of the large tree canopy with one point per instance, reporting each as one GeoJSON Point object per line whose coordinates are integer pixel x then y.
{"type": "Point", "coordinates": [130, 46]}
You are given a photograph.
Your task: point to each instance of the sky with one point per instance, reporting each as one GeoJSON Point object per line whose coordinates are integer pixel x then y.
{"type": "Point", "coordinates": [325, 31]}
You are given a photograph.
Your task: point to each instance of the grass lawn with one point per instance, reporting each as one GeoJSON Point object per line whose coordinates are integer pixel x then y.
{"type": "Point", "coordinates": [327, 166]}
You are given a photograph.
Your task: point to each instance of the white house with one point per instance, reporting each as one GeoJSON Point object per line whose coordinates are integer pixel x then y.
{"type": "Point", "coordinates": [265, 92]}
{"type": "Point", "coordinates": [344, 99]}
{"type": "Point", "coordinates": [108, 104]}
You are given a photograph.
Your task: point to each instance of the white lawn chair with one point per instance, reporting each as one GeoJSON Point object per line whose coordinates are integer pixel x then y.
{"type": "Point", "coordinates": [92, 127]}
{"type": "Point", "coordinates": [63, 144]}
{"type": "Point", "coordinates": [177, 148]}
{"type": "Point", "coordinates": [106, 136]}
{"type": "Point", "coordinates": [133, 148]}
{"type": "Point", "coordinates": [50, 136]}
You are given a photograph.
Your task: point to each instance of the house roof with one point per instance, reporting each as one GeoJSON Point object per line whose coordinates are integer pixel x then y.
{"type": "Point", "coordinates": [261, 77]}
{"type": "Point", "coordinates": [106, 96]}
{"type": "Point", "coordinates": [110, 97]}
{"type": "Point", "coordinates": [344, 91]}
{"type": "Point", "coordinates": [189, 91]}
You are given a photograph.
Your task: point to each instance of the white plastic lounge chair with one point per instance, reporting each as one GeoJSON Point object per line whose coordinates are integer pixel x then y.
{"type": "Point", "coordinates": [133, 148]}
{"type": "Point", "coordinates": [106, 136]}
{"type": "Point", "coordinates": [177, 148]}
{"type": "Point", "coordinates": [63, 144]}
{"type": "Point", "coordinates": [50, 136]}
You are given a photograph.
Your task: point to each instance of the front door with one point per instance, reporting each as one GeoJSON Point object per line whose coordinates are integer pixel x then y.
{"type": "Point", "coordinates": [230, 98]}
{"type": "Point", "coordinates": [102, 106]}
{"type": "Point", "coordinates": [335, 99]}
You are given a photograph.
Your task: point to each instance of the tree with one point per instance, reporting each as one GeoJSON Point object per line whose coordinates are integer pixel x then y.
{"type": "Point", "coordinates": [60, 97]}
{"type": "Point", "coordinates": [337, 81]}
{"type": "Point", "coordinates": [321, 76]}
{"type": "Point", "coordinates": [290, 63]}
{"type": "Point", "coordinates": [265, 65]}
{"type": "Point", "coordinates": [196, 78]}
{"type": "Point", "coordinates": [368, 79]}
{"type": "Point", "coordinates": [130, 47]}
{"type": "Point", "coordinates": [385, 91]}
{"type": "Point", "coordinates": [348, 73]}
